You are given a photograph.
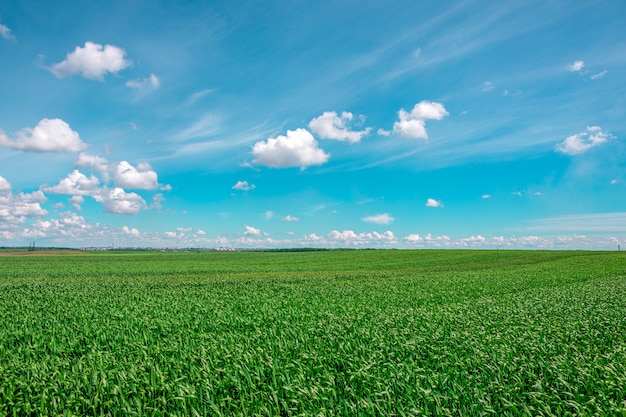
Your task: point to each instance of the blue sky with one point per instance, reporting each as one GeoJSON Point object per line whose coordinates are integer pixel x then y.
{"type": "Point", "coordinates": [313, 123]}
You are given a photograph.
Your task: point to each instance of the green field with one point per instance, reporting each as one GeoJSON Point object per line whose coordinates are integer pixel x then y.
{"type": "Point", "coordinates": [314, 333]}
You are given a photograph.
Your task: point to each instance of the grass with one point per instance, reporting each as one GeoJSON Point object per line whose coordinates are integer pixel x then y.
{"type": "Point", "coordinates": [314, 333]}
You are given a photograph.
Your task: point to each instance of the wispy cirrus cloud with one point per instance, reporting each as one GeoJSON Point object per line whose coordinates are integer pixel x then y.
{"type": "Point", "coordinates": [614, 222]}
{"type": "Point", "coordinates": [6, 33]}
{"type": "Point", "coordinates": [152, 82]}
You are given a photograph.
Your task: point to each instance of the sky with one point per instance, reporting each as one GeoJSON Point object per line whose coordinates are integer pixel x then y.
{"type": "Point", "coordinates": [365, 124]}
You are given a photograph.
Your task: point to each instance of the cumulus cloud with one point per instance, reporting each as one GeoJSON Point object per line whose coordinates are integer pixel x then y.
{"type": "Point", "coordinates": [290, 218]}
{"type": "Point", "coordinates": [5, 186]}
{"type": "Point", "coordinates": [131, 232]}
{"type": "Point", "coordinates": [152, 82]}
{"type": "Point", "coordinates": [383, 218]}
{"type": "Point", "coordinates": [431, 202]}
{"type": "Point", "coordinates": [68, 226]}
{"type": "Point", "coordinates": [118, 201]}
{"type": "Point", "coordinates": [251, 231]}
{"type": "Point", "coordinates": [76, 201]}
{"type": "Point", "coordinates": [15, 208]}
{"type": "Point", "coordinates": [413, 238]}
{"type": "Point", "coordinates": [6, 33]}
{"type": "Point", "coordinates": [243, 186]}
{"type": "Point", "coordinates": [576, 66]}
{"type": "Point", "coordinates": [76, 183]}
{"type": "Point", "coordinates": [93, 61]}
{"type": "Point", "coordinates": [582, 142]}
{"type": "Point", "coordinates": [331, 126]}
{"type": "Point", "coordinates": [297, 149]}
{"type": "Point", "coordinates": [413, 124]}
{"type": "Point", "coordinates": [349, 237]}
{"type": "Point", "coordinates": [50, 135]}
{"type": "Point", "coordinates": [142, 177]}
{"type": "Point", "coordinates": [486, 196]}
{"type": "Point", "coordinates": [93, 162]}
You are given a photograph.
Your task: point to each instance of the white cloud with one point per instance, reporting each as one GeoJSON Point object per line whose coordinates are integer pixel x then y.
{"type": "Point", "coordinates": [428, 110]}
{"type": "Point", "coordinates": [431, 202]}
{"type": "Point", "coordinates": [251, 231]}
{"type": "Point", "coordinates": [243, 186]}
{"type": "Point", "coordinates": [15, 208]}
{"type": "Point", "coordinates": [384, 218]}
{"type": "Point", "coordinates": [157, 201]}
{"type": "Point", "coordinates": [269, 215]}
{"type": "Point", "coordinates": [576, 66]}
{"type": "Point", "coordinates": [152, 82]}
{"type": "Point", "coordinates": [485, 196]}
{"type": "Point", "coordinates": [93, 162]}
{"type": "Point", "coordinates": [142, 178]}
{"type": "Point", "coordinates": [511, 93]}
{"type": "Point", "coordinates": [350, 238]}
{"type": "Point", "coordinates": [5, 32]}
{"type": "Point", "coordinates": [67, 228]}
{"type": "Point", "coordinates": [413, 238]}
{"type": "Point", "coordinates": [76, 183]}
{"type": "Point", "coordinates": [131, 232]}
{"type": "Point", "coordinates": [582, 142]}
{"type": "Point", "coordinates": [330, 126]}
{"type": "Point", "coordinates": [290, 218]}
{"type": "Point", "coordinates": [50, 135]}
{"type": "Point", "coordinates": [599, 75]}
{"type": "Point", "coordinates": [410, 128]}
{"type": "Point", "coordinates": [298, 148]}
{"type": "Point", "coordinates": [413, 124]}
{"type": "Point", "coordinates": [118, 201]}
{"type": "Point", "coordinates": [5, 186]}
{"type": "Point", "coordinates": [383, 132]}
{"type": "Point", "coordinates": [76, 201]}
{"type": "Point", "coordinates": [93, 61]}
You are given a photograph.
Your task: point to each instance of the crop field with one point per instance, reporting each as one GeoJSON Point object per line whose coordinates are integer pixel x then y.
{"type": "Point", "coordinates": [327, 333]}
